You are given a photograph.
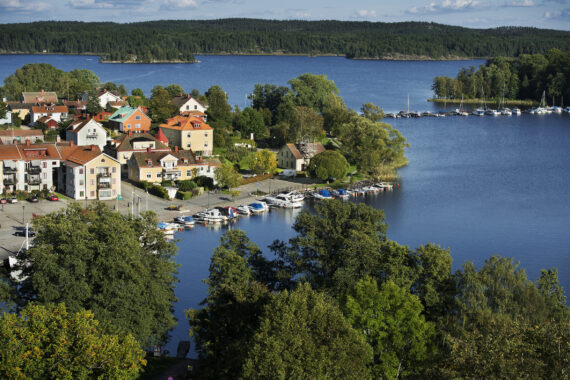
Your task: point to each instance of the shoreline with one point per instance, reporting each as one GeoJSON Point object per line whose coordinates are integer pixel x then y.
{"type": "Point", "coordinates": [477, 101]}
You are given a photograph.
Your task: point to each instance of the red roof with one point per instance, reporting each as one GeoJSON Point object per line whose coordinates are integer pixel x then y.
{"type": "Point", "coordinates": [161, 137]}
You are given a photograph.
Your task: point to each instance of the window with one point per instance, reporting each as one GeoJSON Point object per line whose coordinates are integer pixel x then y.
{"type": "Point", "coordinates": [92, 194]}
{"type": "Point", "coordinates": [114, 170]}
{"type": "Point", "coordinates": [81, 194]}
{"type": "Point", "coordinates": [158, 175]}
{"type": "Point", "coordinates": [81, 183]}
{"type": "Point", "coordinates": [137, 117]}
{"type": "Point", "coordinates": [128, 126]}
{"type": "Point", "coordinates": [195, 106]}
{"type": "Point", "coordinates": [44, 164]}
{"type": "Point", "coordinates": [114, 181]}
{"type": "Point", "coordinates": [188, 135]}
{"type": "Point", "coordinates": [80, 170]}
{"type": "Point", "coordinates": [205, 144]}
{"type": "Point", "coordinates": [188, 173]}
{"type": "Point", "coordinates": [188, 145]}
{"type": "Point", "coordinates": [205, 135]}
{"type": "Point", "coordinates": [44, 175]}
{"type": "Point", "coordinates": [92, 171]}
{"type": "Point", "coordinates": [54, 163]}
{"type": "Point", "coordinates": [149, 175]}
{"type": "Point", "coordinates": [202, 169]}
{"type": "Point", "coordinates": [137, 125]}
{"type": "Point", "coordinates": [187, 107]}
{"type": "Point", "coordinates": [92, 182]}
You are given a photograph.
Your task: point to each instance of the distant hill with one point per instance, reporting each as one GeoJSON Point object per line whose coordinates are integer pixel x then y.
{"type": "Point", "coordinates": [179, 40]}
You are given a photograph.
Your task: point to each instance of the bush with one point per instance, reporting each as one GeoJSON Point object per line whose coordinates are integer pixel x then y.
{"type": "Point", "coordinates": [205, 182]}
{"type": "Point", "coordinates": [186, 185]}
{"type": "Point", "coordinates": [168, 184]}
{"type": "Point", "coordinates": [183, 195]}
{"type": "Point", "coordinates": [159, 191]}
{"type": "Point", "coordinates": [143, 184]}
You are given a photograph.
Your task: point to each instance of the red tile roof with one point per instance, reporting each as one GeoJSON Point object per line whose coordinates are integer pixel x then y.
{"type": "Point", "coordinates": [186, 123]}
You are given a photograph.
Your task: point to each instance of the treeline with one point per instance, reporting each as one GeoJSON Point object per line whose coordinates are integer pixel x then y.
{"type": "Point", "coordinates": [180, 40]}
{"type": "Point", "coordinates": [524, 77]}
{"type": "Point", "coordinates": [341, 300]}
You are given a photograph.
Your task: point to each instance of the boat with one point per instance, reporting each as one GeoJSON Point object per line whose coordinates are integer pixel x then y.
{"type": "Point", "coordinates": [284, 200]}
{"type": "Point", "coordinates": [243, 210]}
{"type": "Point", "coordinates": [167, 228]}
{"type": "Point", "coordinates": [542, 109]}
{"type": "Point", "coordinates": [185, 220]}
{"type": "Point", "coordinates": [567, 109]}
{"type": "Point", "coordinates": [506, 112]}
{"type": "Point", "coordinates": [441, 114]}
{"type": "Point", "coordinates": [258, 207]}
{"type": "Point", "coordinates": [323, 194]}
{"type": "Point", "coordinates": [556, 109]}
{"type": "Point", "coordinates": [392, 115]}
{"type": "Point", "coordinates": [404, 114]}
{"type": "Point", "coordinates": [461, 111]}
{"type": "Point", "coordinates": [384, 186]}
{"type": "Point", "coordinates": [479, 112]}
{"type": "Point", "coordinates": [428, 113]}
{"type": "Point", "coordinates": [212, 215]}
{"type": "Point", "coordinates": [371, 189]}
{"type": "Point", "coordinates": [341, 194]}
{"type": "Point", "coordinates": [492, 112]}
{"type": "Point", "coordinates": [516, 111]}
{"type": "Point", "coordinates": [228, 211]}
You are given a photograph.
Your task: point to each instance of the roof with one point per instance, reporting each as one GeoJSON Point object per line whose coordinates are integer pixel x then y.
{"type": "Point", "coordinates": [51, 151]}
{"type": "Point", "coordinates": [123, 114]}
{"type": "Point", "coordinates": [45, 119]}
{"type": "Point", "coordinates": [103, 92]}
{"type": "Point", "coordinates": [21, 132]}
{"type": "Point", "coordinates": [49, 109]}
{"type": "Point", "coordinates": [305, 150]}
{"type": "Point", "coordinates": [75, 103]}
{"type": "Point", "coordinates": [83, 154]}
{"type": "Point", "coordinates": [39, 97]}
{"type": "Point", "coordinates": [141, 158]}
{"type": "Point", "coordinates": [195, 113]}
{"type": "Point", "coordinates": [161, 137]}
{"type": "Point", "coordinates": [125, 142]}
{"type": "Point", "coordinates": [118, 103]}
{"type": "Point", "coordinates": [185, 123]}
{"type": "Point", "coordinates": [179, 101]}
{"type": "Point", "coordinates": [20, 106]}
{"type": "Point", "coordinates": [77, 125]}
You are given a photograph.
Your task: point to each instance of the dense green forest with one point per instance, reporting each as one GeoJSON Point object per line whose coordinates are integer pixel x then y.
{"type": "Point", "coordinates": [180, 40]}
{"type": "Point", "coordinates": [524, 77]}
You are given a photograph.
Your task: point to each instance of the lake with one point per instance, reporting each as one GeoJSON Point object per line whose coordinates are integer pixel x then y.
{"type": "Point", "coordinates": [480, 186]}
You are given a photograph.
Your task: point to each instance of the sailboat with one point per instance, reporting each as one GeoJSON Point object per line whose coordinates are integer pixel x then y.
{"type": "Point", "coordinates": [490, 111]}
{"type": "Point", "coordinates": [504, 110]}
{"type": "Point", "coordinates": [541, 110]}
{"type": "Point", "coordinates": [460, 111]}
{"type": "Point", "coordinates": [481, 111]}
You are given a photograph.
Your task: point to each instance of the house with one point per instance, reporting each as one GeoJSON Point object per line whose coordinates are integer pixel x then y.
{"type": "Point", "coordinates": [298, 156]}
{"type": "Point", "coordinates": [105, 97]}
{"type": "Point", "coordinates": [28, 167]}
{"type": "Point", "coordinates": [102, 116]}
{"type": "Point", "coordinates": [75, 105]}
{"type": "Point", "coordinates": [156, 167]}
{"type": "Point", "coordinates": [86, 132]}
{"type": "Point", "coordinates": [57, 113]}
{"type": "Point", "coordinates": [199, 114]}
{"type": "Point", "coordinates": [11, 136]}
{"type": "Point", "coordinates": [87, 173]}
{"type": "Point", "coordinates": [189, 133]}
{"type": "Point", "coordinates": [49, 121]}
{"type": "Point", "coordinates": [188, 103]}
{"type": "Point", "coordinates": [20, 109]}
{"type": "Point", "coordinates": [123, 147]}
{"type": "Point", "coordinates": [39, 98]}
{"type": "Point", "coordinates": [127, 119]}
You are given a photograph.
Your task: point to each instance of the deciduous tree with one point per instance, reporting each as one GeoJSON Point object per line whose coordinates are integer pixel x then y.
{"type": "Point", "coordinates": [227, 176]}
{"type": "Point", "coordinates": [263, 161]}
{"type": "Point", "coordinates": [329, 163]}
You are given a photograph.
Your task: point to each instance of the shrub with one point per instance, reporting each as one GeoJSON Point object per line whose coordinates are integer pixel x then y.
{"type": "Point", "coordinates": [183, 195]}
{"type": "Point", "coordinates": [168, 184]}
{"type": "Point", "coordinates": [186, 185]}
{"type": "Point", "coordinates": [159, 191]}
{"type": "Point", "coordinates": [204, 181]}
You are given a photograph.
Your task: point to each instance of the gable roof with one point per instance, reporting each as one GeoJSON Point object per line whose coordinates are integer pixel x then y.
{"type": "Point", "coordinates": [39, 97]}
{"type": "Point", "coordinates": [161, 137]}
{"type": "Point", "coordinates": [179, 101]}
{"type": "Point", "coordinates": [84, 154]}
{"type": "Point", "coordinates": [21, 132]}
{"type": "Point", "coordinates": [305, 150]}
{"type": "Point", "coordinates": [124, 113]}
{"type": "Point", "coordinates": [185, 123]}
{"type": "Point", "coordinates": [49, 109]}
{"type": "Point", "coordinates": [126, 142]}
{"type": "Point", "coordinates": [104, 91]}
{"type": "Point", "coordinates": [141, 158]}
{"type": "Point", "coordinates": [77, 125]}
{"type": "Point", "coordinates": [27, 152]}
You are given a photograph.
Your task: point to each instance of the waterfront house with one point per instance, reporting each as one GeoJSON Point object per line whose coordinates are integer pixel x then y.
{"type": "Point", "coordinates": [188, 103]}
{"type": "Point", "coordinates": [11, 136]}
{"type": "Point", "coordinates": [86, 132]}
{"type": "Point", "coordinates": [39, 97]}
{"type": "Point", "coordinates": [89, 174]}
{"type": "Point", "coordinates": [189, 133]}
{"type": "Point", "coordinates": [131, 119]}
{"type": "Point", "coordinates": [123, 147]}
{"type": "Point", "coordinates": [57, 113]}
{"type": "Point", "coordinates": [298, 156]}
{"type": "Point", "coordinates": [156, 167]}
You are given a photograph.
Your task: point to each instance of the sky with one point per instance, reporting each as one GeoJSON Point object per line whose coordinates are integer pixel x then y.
{"type": "Point", "coordinates": [551, 14]}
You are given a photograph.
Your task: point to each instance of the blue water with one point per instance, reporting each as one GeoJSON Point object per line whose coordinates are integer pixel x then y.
{"type": "Point", "coordinates": [480, 186]}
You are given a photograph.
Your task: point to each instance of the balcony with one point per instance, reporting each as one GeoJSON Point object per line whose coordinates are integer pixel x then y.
{"type": "Point", "coordinates": [92, 135]}
{"type": "Point", "coordinates": [104, 175]}
{"type": "Point", "coordinates": [9, 181]}
{"type": "Point", "coordinates": [104, 185]}
{"type": "Point", "coordinates": [34, 169]}
{"type": "Point", "coordinates": [34, 181]}
{"type": "Point", "coordinates": [9, 170]}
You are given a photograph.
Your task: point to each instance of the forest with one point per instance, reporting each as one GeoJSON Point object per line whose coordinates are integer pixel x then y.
{"type": "Point", "coordinates": [524, 77]}
{"type": "Point", "coordinates": [171, 40]}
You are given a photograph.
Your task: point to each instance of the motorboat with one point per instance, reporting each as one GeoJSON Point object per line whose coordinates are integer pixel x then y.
{"type": "Point", "coordinates": [516, 111]}
{"type": "Point", "coordinates": [371, 189]}
{"type": "Point", "coordinates": [258, 207]}
{"type": "Point", "coordinates": [185, 220]}
{"type": "Point", "coordinates": [212, 215]}
{"type": "Point", "coordinates": [342, 194]}
{"type": "Point", "coordinates": [167, 228]}
{"type": "Point", "coordinates": [404, 114]}
{"type": "Point", "coordinates": [506, 112]}
{"type": "Point", "coordinates": [285, 200]}
{"type": "Point", "coordinates": [323, 194]}
{"type": "Point", "coordinates": [384, 186]}
{"type": "Point", "coordinates": [228, 212]}
{"type": "Point", "coordinates": [392, 115]}
{"type": "Point", "coordinates": [478, 112]}
{"type": "Point", "coordinates": [243, 210]}
{"type": "Point", "coordinates": [492, 112]}
{"type": "Point", "coordinates": [556, 109]}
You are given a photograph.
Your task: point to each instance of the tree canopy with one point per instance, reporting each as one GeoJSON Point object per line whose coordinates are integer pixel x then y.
{"type": "Point", "coordinates": [329, 163]}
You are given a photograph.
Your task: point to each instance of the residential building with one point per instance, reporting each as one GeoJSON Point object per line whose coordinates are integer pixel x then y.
{"type": "Point", "coordinates": [7, 119]}
{"type": "Point", "coordinates": [39, 97]}
{"type": "Point", "coordinates": [49, 121]}
{"type": "Point", "coordinates": [11, 136]}
{"type": "Point", "coordinates": [20, 110]}
{"type": "Point", "coordinates": [89, 174]}
{"type": "Point", "coordinates": [188, 103]}
{"type": "Point", "coordinates": [86, 132]}
{"type": "Point", "coordinates": [123, 147]}
{"type": "Point", "coordinates": [127, 119]}
{"type": "Point", "coordinates": [189, 133]}
{"type": "Point", "coordinates": [298, 156]}
{"type": "Point", "coordinates": [108, 96]}
{"type": "Point", "coordinates": [75, 105]}
{"type": "Point", "coordinates": [57, 113]}
{"type": "Point", "coordinates": [156, 167]}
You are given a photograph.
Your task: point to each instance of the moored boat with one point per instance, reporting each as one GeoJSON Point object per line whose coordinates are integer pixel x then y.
{"type": "Point", "coordinates": [185, 220]}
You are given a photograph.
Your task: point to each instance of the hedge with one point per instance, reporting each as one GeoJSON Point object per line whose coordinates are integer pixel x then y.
{"type": "Point", "coordinates": [159, 191]}
{"type": "Point", "coordinates": [183, 195]}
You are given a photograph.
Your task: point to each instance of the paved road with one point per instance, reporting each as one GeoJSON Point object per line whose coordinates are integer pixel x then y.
{"type": "Point", "coordinates": [14, 216]}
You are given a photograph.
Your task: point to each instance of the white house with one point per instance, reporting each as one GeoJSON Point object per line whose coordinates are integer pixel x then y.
{"type": "Point", "coordinates": [57, 113]}
{"type": "Point", "coordinates": [106, 97]}
{"type": "Point", "coordinates": [86, 132]}
{"type": "Point", "coordinates": [298, 156]}
{"type": "Point", "coordinates": [188, 103]}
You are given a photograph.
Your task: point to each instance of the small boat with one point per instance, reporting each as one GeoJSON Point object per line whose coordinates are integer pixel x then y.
{"type": "Point", "coordinates": [384, 186]}
{"type": "Point", "coordinates": [243, 210]}
{"type": "Point", "coordinates": [185, 220]}
{"type": "Point", "coordinates": [342, 194]}
{"type": "Point", "coordinates": [392, 115]}
{"type": "Point", "coordinates": [404, 114]}
{"type": "Point", "coordinates": [556, 109]}
{"type": "Point", "coordinates": [323, 194]}
{"type": "Point", "coordinates": [258, 207]}
{"type": "Point", "coordinates": [516, 111]}
{"type": "Point", "coordinates": [478, 112]}
{"type": "Point", "coordinates": [567, 109]}
{"type": "Point", "coordinates": [167, 228]}
{"type": "Point", "coordinates": [441, 114]}
{"type": "Point", "coordinates": [228, 211]}
{"type": "Point", "coordinates": [371, 189]}
{"type": "Point", "coordinates": [461, 111]}
{"type": "Point", "coordinates": [428, 113]}
{"type": "Point", "coordinates": [492, 112]}
{"type": "Point", "coordinates": [212, 215]}
{"type": "Point", "coordinates": [506, 112]}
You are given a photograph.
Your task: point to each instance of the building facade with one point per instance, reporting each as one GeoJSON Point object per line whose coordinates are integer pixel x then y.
{"type": "Point", "coordinates": [189, 133]}
{"type": "Point", "coordinates": [86, 132]}
{"type": "Point", "coordinates": [298, 156]}
{"type": "Point", "coordinates": [129, 119]}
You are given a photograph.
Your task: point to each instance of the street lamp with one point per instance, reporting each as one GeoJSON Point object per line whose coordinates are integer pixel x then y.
{"type": "Point", "coordinates": [23, 214]}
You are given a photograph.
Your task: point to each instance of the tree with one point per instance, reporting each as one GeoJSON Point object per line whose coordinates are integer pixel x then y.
{"type": "Point", "coordinates": [93, 106]}
{"type": "Point", "coordinates": [391, 320]}
{"type": "Point", "coordinates": [137, 92]}
{"type": "Point", "coordinates": [372, 112]}
{"type": "Point", "coordinates": [175, 90]}
{"type": "Point", "coordinates": [219, 111]}
{"type": "Point", "coordinates": [250, 121]}
{"type": "Point", "coordinates": [48, 342]}
{"type": "Point", "coordinates": [120, 268]}
{"type": "Point", "coordinates": [81, 81]}
{"type": "Point", "coordinates": [306, 124]}
{"type": "Point", "coordinates": [227, 176]}
{"type": "Point", "coordinates": [35, 77]}
{"type": "Point", "coordinates": [304, 335]}
{"type": "Point", "coordinates": [263, 161]}
{"type": "Point", "coordinates": [3, 109]}
{"type": "Point", "coordinates": [329, 163]}
{"type": "Point", "coordinates": [161, 106]}
{"type": "Point", "coordinates": [312, 91]}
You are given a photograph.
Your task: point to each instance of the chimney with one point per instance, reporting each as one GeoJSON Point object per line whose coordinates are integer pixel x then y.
{"type": "Point", "coordinates": [176, 149]}
{"type": "Point", "coordinates": [189, 96]}
{"type": "Point", "coordinates": [27, 142]}
{"type": "Point", "coordinates": [129, 133]}
{"type": "Point", "coordinates": [71, 143]}
{"type": "Point", "coordinates": [149, 149]}
{"type": "Point", "coordinates": [58, 139]}
{"type": "Point", "coordinates": [92, 148]}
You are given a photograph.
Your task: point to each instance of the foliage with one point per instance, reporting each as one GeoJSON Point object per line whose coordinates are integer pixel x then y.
{"type": "Point", "coordinates": [313, 91]}
{"type": "Point", "coordinates": [219, 111]}
{"type": "Point", "coordinates": [372, 112]}
{"type": "Point", "coordinates": [186, 185]}
{"type": "Point", "coordinates": [120, 268]}
{"type": "Point", "coordinates": [306, 125]}
{"type": "Point", "coordinates": [93, 106]}
{"type": "Point", "coordinates": [263, 161]}
{"type": "Point", "coordinates": [161, 106]}
{"type": "Point", "coordinates": [524, 77]}
{"type": "Point", "coordinates": [175, 90]}
{"type": "Point", "coordinates": [159, 191]}
{"type": "Point", "coordinates": [391, 320]}
{"type": "Point", "coordinates": [227, 176]}
{"type": "Point", "coordinates": [329, 163]}
{"type": "Point", "coordinates": [250, 121]}
{"type": "Point", "coordinates": [205, 182]}
{"type": "Point", "coordinates": [48, 342]}
{"type": "Point", "coordinates": [183, 195]}
{"type": "Point", "coordinates": [372, 145]}
{"type": "Point", "coordinates": [3, 109]}
{"type": "Point", "coordinates": [304, 335]}
{"type": "Point", "coordinates": [236, 153]}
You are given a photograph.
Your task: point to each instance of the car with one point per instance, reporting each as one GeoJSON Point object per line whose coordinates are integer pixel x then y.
{"type": "Point", "coordinates": [53, 198]}
{"type": "Point", "coordinates": [3, 201]}
{"type": "Point", "coordinates": [13, 200]}
{"type": "Point", "coordinates": [33, 199]}
{"type": "Point", "coordinates": [22, 232]}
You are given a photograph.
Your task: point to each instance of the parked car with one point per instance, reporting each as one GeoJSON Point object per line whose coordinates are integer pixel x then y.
{"type": "Point", "coordinates": [13, 200]}
{"type": "Point", "coordinates": [22, 232]}
{"type": "Point", "coordinates": [33, 199]}
{"type": "Point", "coordinates": [3, 201]}
{"type": "Point", "coordinates": [53, 198]}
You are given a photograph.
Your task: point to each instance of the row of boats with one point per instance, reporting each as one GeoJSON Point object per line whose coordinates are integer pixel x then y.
{"type": "Point", "coordinates": [481, 112]}
{"type": "Point", "coordinates": [292, 199]}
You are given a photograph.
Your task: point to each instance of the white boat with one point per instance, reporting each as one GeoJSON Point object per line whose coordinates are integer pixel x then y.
{"type": "Point", "coordinates": [243, 209]}
{"type": "Point", "coordinates": [167, 228]}
{"type": "Point", "coordinates": [323, 194]}
{"type": "Point", "coordinates": [492, 112]}
{"type": "Point", "coordinates": [384, 186]}
{"type": "Point", "coordinates": [461, 111]}
{"type": "Point", "coordinates": [214, 215]}
{"type": "Point", "coordinates": [516, 111]}
{"type": "Point", "coordinates": [258, 207]}
{"type": "Point", "coordinates": [556, 109]}
{"type": "Point", "coordinates": [567, 109]}
{"type": "Point", "coordinates": [371, 189]}
{"type": "Point", "coordinates": [341, 194]}
{"type": "Point", "coordinates": [185, 220]}
{"type": "Point", "coordinates": [479, 112]}
{"type": "Point", "coordinates": [506, 112]}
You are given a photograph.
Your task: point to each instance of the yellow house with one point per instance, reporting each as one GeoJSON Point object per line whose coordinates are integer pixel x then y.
{"type": "Point", "coordinates": [156, 167]}
{"type": "Point", "coordinates": [189, 133]}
